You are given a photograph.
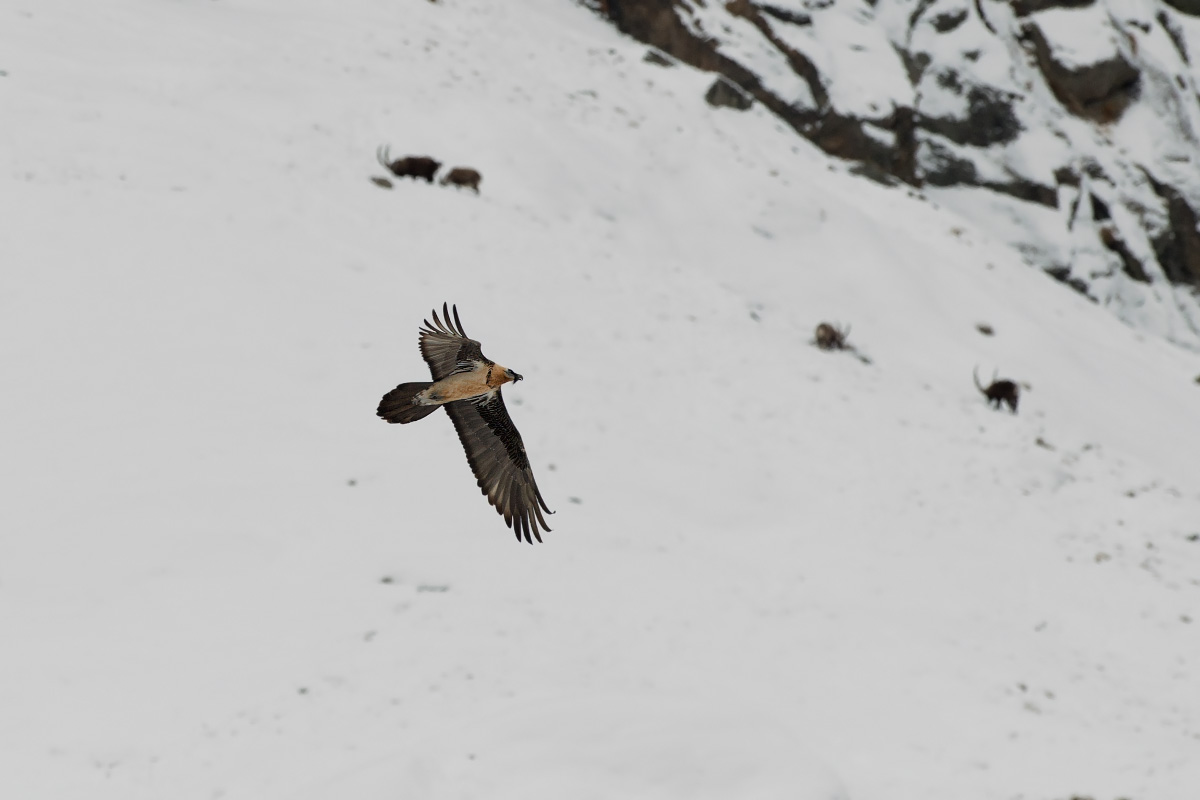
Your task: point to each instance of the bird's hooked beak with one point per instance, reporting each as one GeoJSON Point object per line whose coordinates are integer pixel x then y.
{"type": "Point", "coordinates": [514, 377]}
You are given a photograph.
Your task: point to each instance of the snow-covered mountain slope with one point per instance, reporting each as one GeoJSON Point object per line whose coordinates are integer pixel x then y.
{"type": "Point", "coordinates": [1068, 128]}
{"type": "Point", "coordinates": [774, 571]}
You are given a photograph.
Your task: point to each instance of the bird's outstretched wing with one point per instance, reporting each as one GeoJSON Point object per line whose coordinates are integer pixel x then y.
{"type": "Point", "coordinates": [445, 346]}
{"type": "Point", "coordinates": [497, 457]}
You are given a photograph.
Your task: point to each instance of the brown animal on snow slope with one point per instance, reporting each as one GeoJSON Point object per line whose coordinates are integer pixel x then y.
{"type": "Point", "coordinates": [831, 337]}
{"type": "Point", "coordinates": [1000, 392]}
{"type": "Point", "coordinates": [463, 176]}
{"type": "Point", "coordinates": [409, 166]}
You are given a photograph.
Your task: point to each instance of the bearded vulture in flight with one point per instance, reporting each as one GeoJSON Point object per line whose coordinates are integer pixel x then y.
{"type": "Point", "coordinates": [467, 384]}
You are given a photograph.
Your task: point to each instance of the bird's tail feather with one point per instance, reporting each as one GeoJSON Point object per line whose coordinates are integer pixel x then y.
{"type": "Point", "coordinates": [397, 405]}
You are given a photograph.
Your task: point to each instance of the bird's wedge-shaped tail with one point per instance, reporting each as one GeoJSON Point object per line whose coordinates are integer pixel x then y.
{"type": "Point", "coordinates": [397, 405]}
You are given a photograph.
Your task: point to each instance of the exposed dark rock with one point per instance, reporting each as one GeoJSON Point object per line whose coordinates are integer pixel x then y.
{"type": "Point", "coordinates": [915, 64]}
{"type": "Point", "coordinates": [873, 172]}
{"type": "Point", "coordinates": [986, 22]}
{"type": "Point", "coordinates": [723, 93]}
{"type": "Point", "coordinates": [1023, 8]}
{"type": "Point", "coordinates": [990, 118]}
{"type": "Point", "coordinates": [1063, 274]}
{"type": "Point", "coordinates": [948, 79]}
{"type": "Point", "coordinates": [903, 125]}
{"type": "Point", "coordinates": [786, 15]}
{"type": "Point", "coordinates": [1093, 170]}
{"type": "Point", "coordinates": [657, 23]}
{"type": "Point", "coordinates": [1178, 247]}
{"type": "Point", "coordinates": [1024, 189]}
{"type": "Point", "coordinates": [944, 23]}
{"type": "Point", "coordinates": [922, 7]}
{"type": "Point", "coordinates": [847, 137]}
{"type": "Point", "coordinates": [941, 166]}
{"type": "Point", "coordinates": [1099, 91]}
{"type": "Point", "coordinates": [800, 63]}
{"type": "Point", "coordinates": [1172, 28]}
{"type": "Point", "coordinates": [656, 57]}
{"type": "Point", "coordinates": [1100, 210]}
{"type": "Point", "coordinates": [1189, 7]}
{"type": "Point", "coordinates": [1130, 264]}
{"type": "Point", "coordinates": [1065, 176]}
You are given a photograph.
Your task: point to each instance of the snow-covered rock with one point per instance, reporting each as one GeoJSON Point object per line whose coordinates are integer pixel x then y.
{"type": "Point", "coordinates": [1017, 99]}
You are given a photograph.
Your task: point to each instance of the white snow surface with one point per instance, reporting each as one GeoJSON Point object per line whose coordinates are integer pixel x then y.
{"type": "Point", "coordinates": [739, 39]}
{"type": "Point", "coordinates": [845, 41]}
{"type": "Point", "coordinates": [775, 572]}
{"type": "Point", "coordinates": [1081, 36]}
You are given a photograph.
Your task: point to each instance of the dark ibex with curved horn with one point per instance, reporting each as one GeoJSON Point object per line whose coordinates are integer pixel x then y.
{"type": "Point", "coordinates": [1000, 392]}
{"type": "Point", "coordinates": [409, 166]}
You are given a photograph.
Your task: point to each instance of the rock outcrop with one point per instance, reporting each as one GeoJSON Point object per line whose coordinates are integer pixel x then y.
{"type": "Point", "coordinates": [1081, 118]}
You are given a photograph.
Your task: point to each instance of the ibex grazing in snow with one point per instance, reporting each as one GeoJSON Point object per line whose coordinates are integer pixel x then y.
{"type": "Point", "coordinates": [831, 337]}
{"type": "Point", "coordinates": [463, 176]}
{"type": "Point", "coordinates": [1000, 391]}
{"type": "Point", "coordinates": [409, 166]}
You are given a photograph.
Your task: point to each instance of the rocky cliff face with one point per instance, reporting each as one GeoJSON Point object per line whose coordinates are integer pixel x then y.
{"type": "Point", "coordinates": [1070, 128]}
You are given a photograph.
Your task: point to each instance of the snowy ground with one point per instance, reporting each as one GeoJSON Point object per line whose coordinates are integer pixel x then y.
{"type": "Point", "coordinates": [774, 572]}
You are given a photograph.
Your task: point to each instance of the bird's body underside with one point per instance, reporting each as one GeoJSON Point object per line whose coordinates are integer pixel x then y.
{"type": "Point", "coordinates": [467, 385]}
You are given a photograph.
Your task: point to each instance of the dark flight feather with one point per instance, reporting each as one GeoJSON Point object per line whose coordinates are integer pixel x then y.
{"type": "Point", "coordinates": [497, 457]}
{"type": "Point", "coordinates": [446, 347]}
